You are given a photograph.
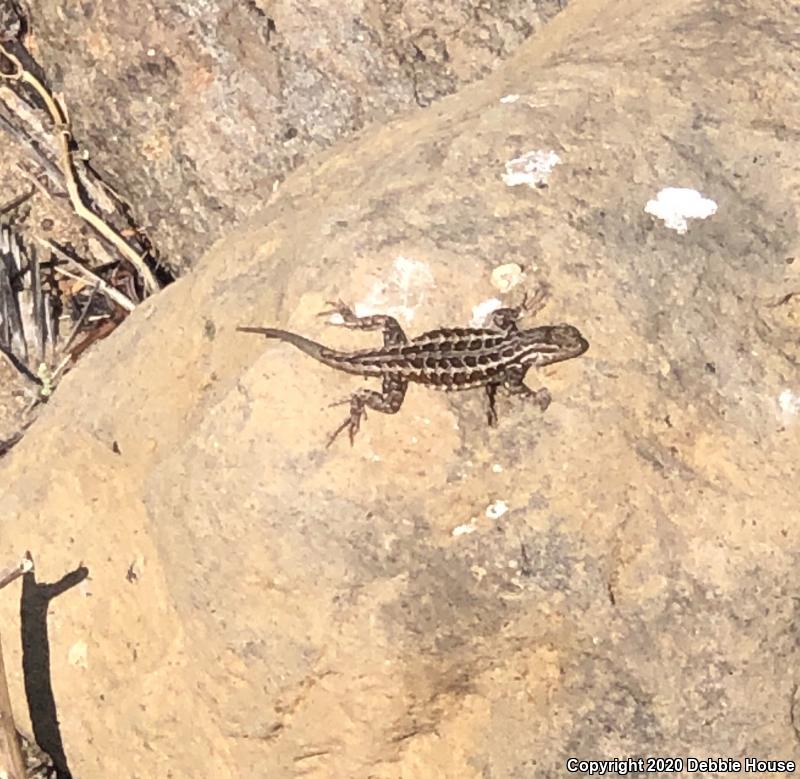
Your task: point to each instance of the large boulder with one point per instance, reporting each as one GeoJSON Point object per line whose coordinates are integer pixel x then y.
{"type": "Point", "coordinates": [195, 109]}
{"type": "Point", "coordinates": [616, 576]}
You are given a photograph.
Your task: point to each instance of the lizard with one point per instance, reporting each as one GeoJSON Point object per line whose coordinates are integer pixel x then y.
{"type": "Point", "coordinates": [456, 358]}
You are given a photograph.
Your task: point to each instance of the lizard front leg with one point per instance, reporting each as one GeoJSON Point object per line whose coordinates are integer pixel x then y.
{"type": "Point", "coordinates": [505, 319]}
{"type": "Point", "coordinates": [392, 332]}
{"type": "Point", "coordinates": [514, 384]}
{"type": "Point", "coordinates": [388, 401]}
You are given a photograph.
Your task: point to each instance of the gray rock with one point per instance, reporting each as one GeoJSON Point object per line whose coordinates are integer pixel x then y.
{"type": "Point", "coordinates": [195, 109]}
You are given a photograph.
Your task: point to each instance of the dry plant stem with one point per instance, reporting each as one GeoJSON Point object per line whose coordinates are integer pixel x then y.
{"type": "Point", "coordinates": [17, 201]}
{"type": "Point", "coordinates": [9, 296]}
{"type": "Point", "coordinates": [110, 292]}
{"type": "Point", "coordinates": [19, 366]}
{"type": "Point", "coordinates": [84, 274]}
{"type": "Point", "coordinates": [39, 305]}
{"type": "Point", "coordinates": [11, 760]}
{"type": "Point", "coordinates": [81, 319]}
{"type": "Point", "coordinates": [104, 330]}
{"type": "Point", "coordinates": [61, 367]}
{"type": "Point", "coordinates": [36, 183]}
{"type": "Point", "coordinates": [49, 170]}
{"type": "Point", "coordinates": [7, 445]}
{"type": "Point", "coordinates": [8, 575]}
{"type": "Point", "coordinates": [68, 169]}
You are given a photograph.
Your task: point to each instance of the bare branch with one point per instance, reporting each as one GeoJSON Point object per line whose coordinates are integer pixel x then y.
{"type": "Point", "coordinates": [64, 135]}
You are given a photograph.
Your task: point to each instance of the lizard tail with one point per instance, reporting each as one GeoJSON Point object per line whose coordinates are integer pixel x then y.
{"type": "Point", "coordinates": [311, 348]}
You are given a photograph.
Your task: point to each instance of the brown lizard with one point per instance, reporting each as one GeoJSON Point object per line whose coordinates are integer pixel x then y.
{"type": "Point", "coordinates": [455, 358]}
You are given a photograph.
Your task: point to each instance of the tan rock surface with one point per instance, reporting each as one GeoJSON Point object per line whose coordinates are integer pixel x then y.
{"type": "Point", "coordinates": [301, 611]}
{"type": "Point", "coordinates": [195, 109]}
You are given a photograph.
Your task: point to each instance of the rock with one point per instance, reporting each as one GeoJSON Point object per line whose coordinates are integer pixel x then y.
{"type": "Point", "coordinates": [257, 605]}
{"type": "Point", "coordinates": [12, 21]}
{"type": "Point", "coordinates": [197, 110]}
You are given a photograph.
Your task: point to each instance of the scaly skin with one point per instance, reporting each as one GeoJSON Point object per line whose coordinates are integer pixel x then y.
{"type": "Point", "coordinates": [447, 359]}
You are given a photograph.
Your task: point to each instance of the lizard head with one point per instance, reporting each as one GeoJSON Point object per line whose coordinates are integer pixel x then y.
{"type": "Point", "coordinates": [553, 343]}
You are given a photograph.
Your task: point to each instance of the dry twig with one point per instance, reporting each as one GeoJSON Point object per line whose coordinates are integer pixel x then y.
{"type": "Point", "coordinates": [19, 366]}
{"type": "Point", "coordinates": [8, 575]}
{"type": "Point", "coordinates": [7, 445]}
{"type": "Point", "coordinates": [84, 274]}
{"type": "Point", "coordinates": [16, 202]}
{"type": "Point", "coordinates": [64, 135]}
{"type": "Point", "coordinates": [12, 763]}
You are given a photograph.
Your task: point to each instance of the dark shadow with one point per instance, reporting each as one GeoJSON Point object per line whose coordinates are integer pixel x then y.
{"type": "Point", "coordinates": [36, 663]}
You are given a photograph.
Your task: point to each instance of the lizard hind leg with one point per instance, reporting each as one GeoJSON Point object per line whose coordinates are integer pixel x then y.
{"type": "Point", "coordinates": [388, 401]}
{"type": "Point", "coordinates": [491, 409]}
{"type": "Point", "coordinates": [514, 384]}
{"type": "Point", "coordinates": [392, 332]}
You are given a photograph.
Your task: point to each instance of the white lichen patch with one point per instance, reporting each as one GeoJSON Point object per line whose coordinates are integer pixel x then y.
{"type": "Point", "coordinates": [410, 274]}
{"type": "Point", "coordinates": [505, 277]}
{"type": "Point", "coordinates": [532, 168]}
{"type": "Point", "coordinates": [78, 655]}
{"type": "Point", "coordinates": [509, 98]}
{"type": "Point", "coordinates": [789, 404]}
{"type": "Point", "coordinates": [481, 312]}
{"type": "Point", "coordinates": [676, 205]}
{"type": "Point", "coordinates": [399, 294]}
{"type": "Point", "coordinates": [465, 529]}
{"type": "Point", "coordinates": [496, 509]}
{"type": "Point", "coordinates": [478, 572]}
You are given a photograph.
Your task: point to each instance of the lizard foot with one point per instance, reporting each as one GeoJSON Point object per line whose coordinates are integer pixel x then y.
{"type": "Point", "coordinates": [532, 304]}
{"type": "Point", "coordinates": [337, 307]}
{"type": "Point", "coordinates": [352, 422]}
{"type": "Point", "coordinates": [542, 397]}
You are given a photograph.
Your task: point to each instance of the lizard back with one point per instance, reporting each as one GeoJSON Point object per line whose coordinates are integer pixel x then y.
{"type": "Point", "coordinates": [453, 358]}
